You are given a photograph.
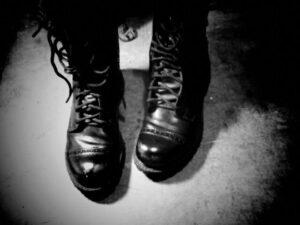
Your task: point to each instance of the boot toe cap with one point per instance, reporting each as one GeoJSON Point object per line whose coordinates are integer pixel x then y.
{"type": "Point", "coordinates": [91, 171]}
{"type": "Point", "coordinates": [157, 152]}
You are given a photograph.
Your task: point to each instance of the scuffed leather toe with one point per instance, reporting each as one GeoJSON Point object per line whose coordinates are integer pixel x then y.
{"type": "Point", "coordinates": [91, 170]}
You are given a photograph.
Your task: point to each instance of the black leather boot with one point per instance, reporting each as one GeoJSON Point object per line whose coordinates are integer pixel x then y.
{"type": "Point", "coordinates": [179, 68]}
{"type": "Point", "coordinates": [95, 150]}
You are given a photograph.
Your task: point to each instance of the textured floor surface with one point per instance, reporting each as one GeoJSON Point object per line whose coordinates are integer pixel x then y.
{"type": "Point", "coordinates": [242, 172]}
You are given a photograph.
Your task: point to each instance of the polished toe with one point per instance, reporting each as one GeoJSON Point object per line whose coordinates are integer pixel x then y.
{"type": "Point", "coordinates": [157, 152]}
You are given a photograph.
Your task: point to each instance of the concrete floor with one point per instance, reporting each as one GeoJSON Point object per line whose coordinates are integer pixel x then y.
{"type": "Point", "coordinates": [236, 177]}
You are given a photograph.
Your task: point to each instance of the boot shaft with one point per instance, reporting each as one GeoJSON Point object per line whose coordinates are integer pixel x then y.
{"type": "Point", "coordinates": [179, 44]}
{"type": "Point", "coordinates": [87, 33]}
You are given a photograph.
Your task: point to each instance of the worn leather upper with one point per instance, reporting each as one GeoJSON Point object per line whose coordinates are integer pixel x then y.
{"type": "Point", "coordinates": [94, 145]}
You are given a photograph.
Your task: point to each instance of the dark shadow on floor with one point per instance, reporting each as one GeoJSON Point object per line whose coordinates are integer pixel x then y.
{"type": "Point", "coordinates": [258, 43]}
{"type": "Point", "coordinates": [12, 16]}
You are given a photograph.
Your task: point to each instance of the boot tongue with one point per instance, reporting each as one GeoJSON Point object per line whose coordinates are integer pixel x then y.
{"type": "Point", "coordinates": [96, 76]}
{"type": "Point", "coordinates": [95, 69]}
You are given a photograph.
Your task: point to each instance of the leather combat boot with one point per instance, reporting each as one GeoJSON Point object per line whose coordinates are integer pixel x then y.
{"type": "Point", "coordinates": [95, 150]}
{"type": "Point", "coordinates": [172, 127]}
